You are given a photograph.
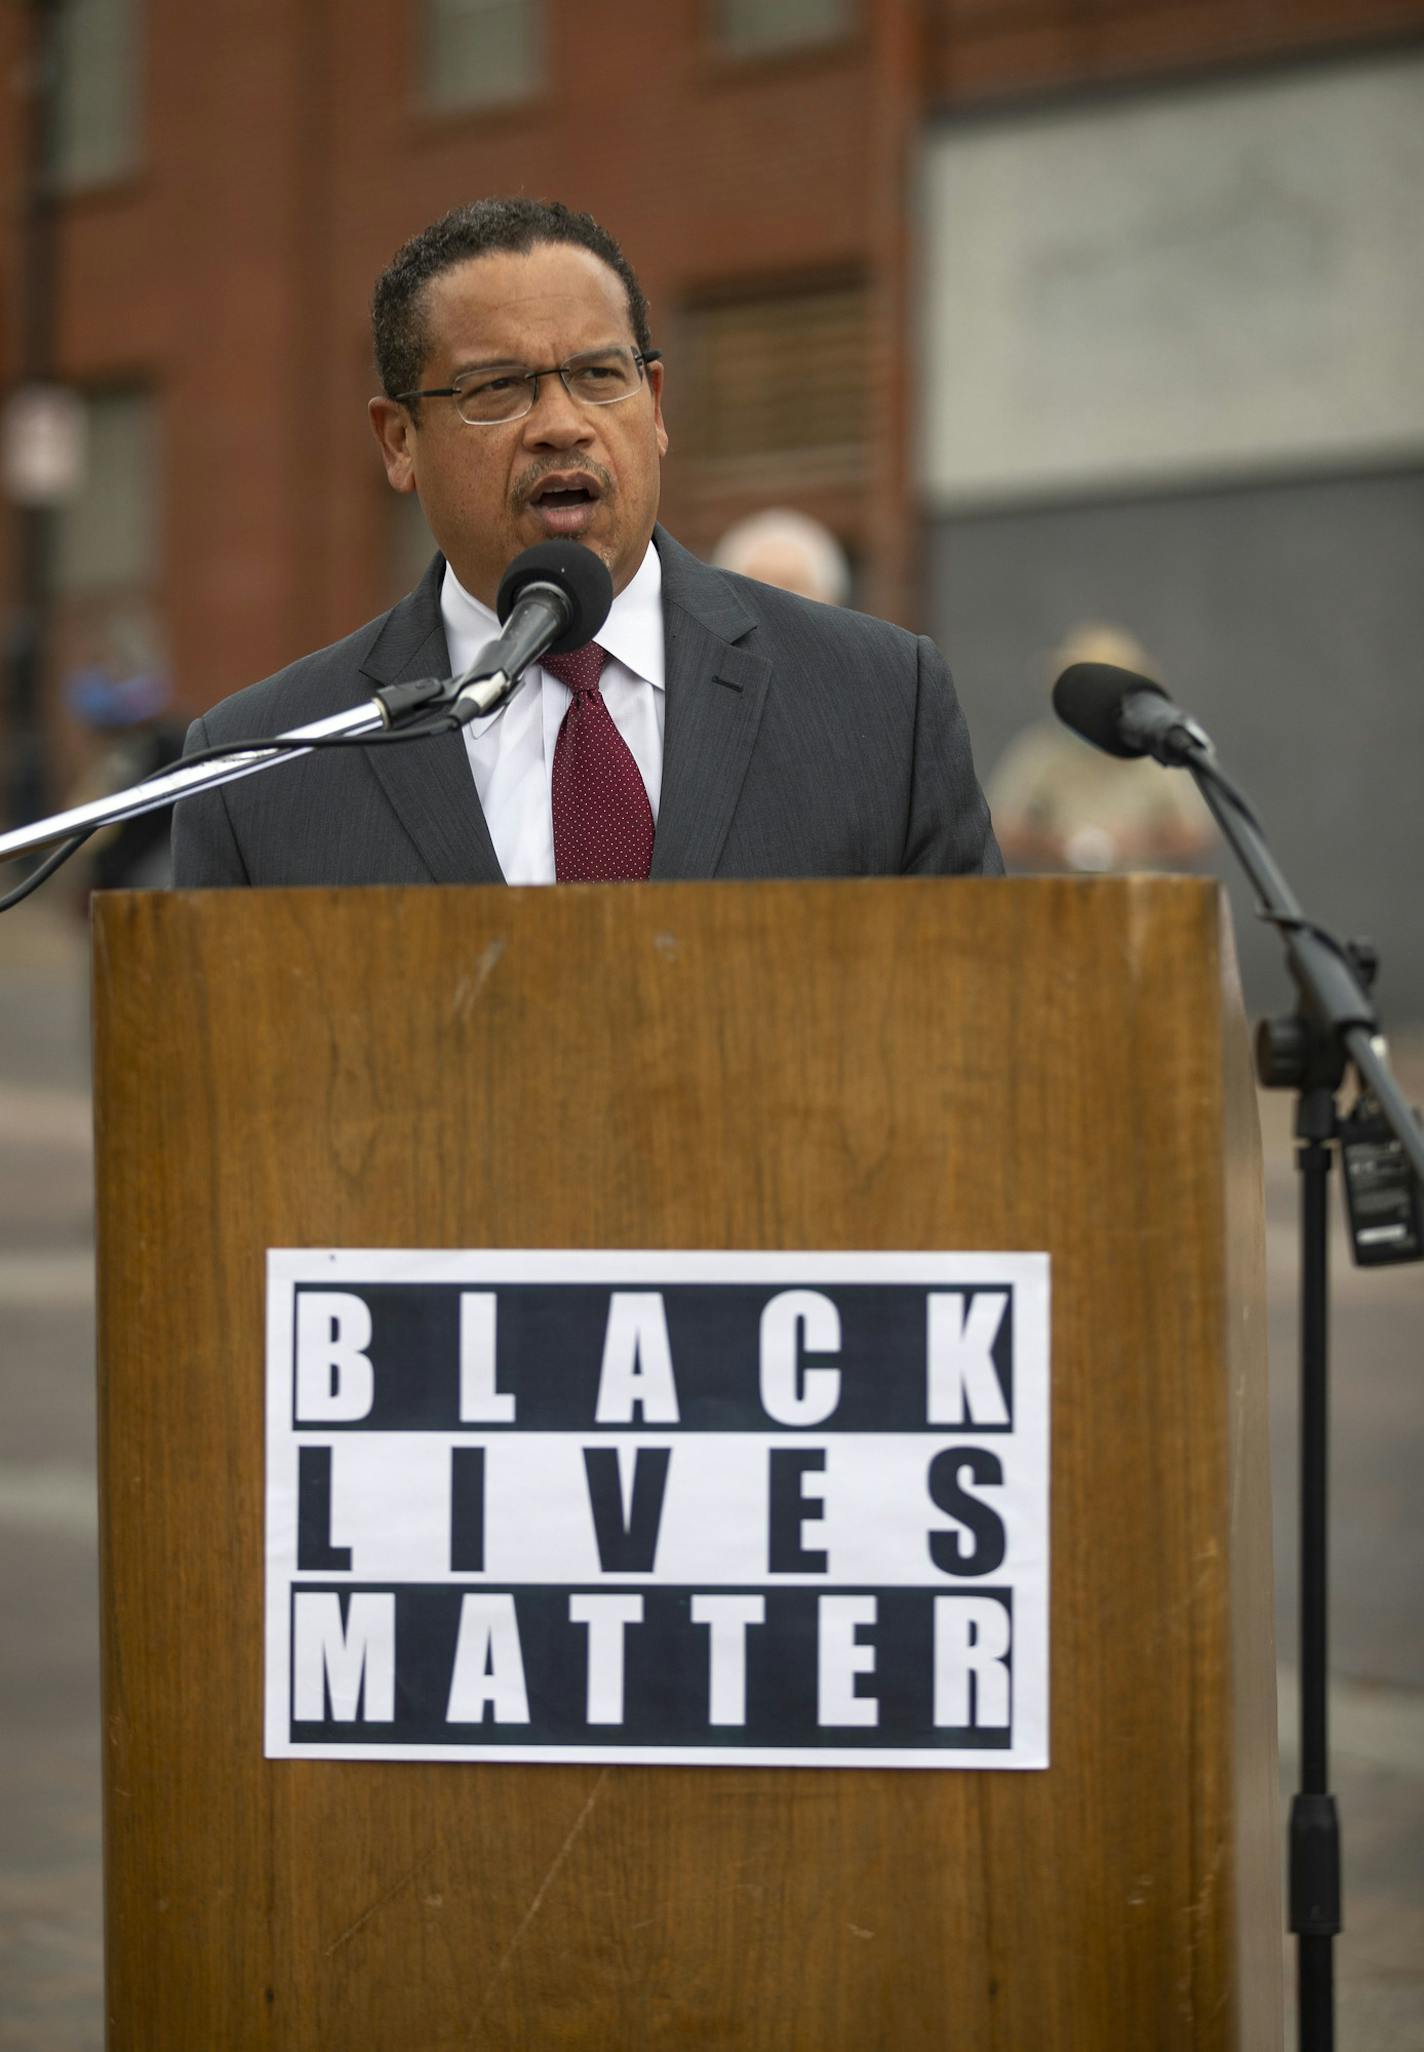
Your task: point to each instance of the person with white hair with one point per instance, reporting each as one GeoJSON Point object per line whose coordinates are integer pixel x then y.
{"type": "Point", "coordinates": [789, 550]}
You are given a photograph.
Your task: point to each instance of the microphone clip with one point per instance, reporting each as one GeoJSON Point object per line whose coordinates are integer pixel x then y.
{"type": "Point", "coordinates": [399, 703]}
{"type": "Point", "coordinates": [1151, 725]}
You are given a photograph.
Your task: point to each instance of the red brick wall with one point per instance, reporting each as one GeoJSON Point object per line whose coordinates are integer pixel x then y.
{"type": "Point", "coordinates": [12, 144]}
{"type": "Point", "coordinates": [989, 48]}
{"type": "Point", "coordinates": [285, 158]}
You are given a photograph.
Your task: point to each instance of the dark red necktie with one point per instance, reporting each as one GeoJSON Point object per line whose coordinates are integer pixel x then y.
{"type": "Point", "coordinates": [603, 823]}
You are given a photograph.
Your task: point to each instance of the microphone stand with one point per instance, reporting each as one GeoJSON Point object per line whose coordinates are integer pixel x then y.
{"type": "Point", "coordinates": [397, 712]}
{"type": "Point", "coordinates": [553, 589]}
{"type": "Point", "coordinates": [1333, 1024]}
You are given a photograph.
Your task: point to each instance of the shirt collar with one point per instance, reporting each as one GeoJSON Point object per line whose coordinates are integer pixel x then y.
{"type": "Point", "coordinates": [632, 633]}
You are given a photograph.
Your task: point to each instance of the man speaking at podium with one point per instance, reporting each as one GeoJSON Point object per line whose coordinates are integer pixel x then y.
{"type": "Point", "coordinates": [717, 727]}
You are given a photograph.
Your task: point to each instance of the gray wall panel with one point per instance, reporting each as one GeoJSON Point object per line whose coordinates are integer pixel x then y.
{"type": "Point", "coordinates": [1290, 618]}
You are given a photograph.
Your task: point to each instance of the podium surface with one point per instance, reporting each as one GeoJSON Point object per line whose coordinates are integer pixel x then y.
{"type": "Point", "coordinates": [1047, 1065]}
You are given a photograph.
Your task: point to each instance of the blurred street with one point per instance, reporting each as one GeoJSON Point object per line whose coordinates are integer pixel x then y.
{"type": "Point", "coordinates": [50, 1938]}
{"type": "Point", "coordinates": [50, 1934]}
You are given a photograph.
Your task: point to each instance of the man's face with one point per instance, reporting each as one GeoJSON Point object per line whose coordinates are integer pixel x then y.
{"type": "Point", "coordinates": [590, 473]}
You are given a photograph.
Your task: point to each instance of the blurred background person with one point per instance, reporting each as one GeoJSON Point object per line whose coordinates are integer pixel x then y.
{"type": "Point", "coordinates": [1058, 803]}
{"type": "Point", "coordinates": [788, 549]}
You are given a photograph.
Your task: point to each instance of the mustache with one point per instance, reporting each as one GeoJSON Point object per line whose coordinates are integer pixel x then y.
{"type": "Point", "coordinates": [530, 480]}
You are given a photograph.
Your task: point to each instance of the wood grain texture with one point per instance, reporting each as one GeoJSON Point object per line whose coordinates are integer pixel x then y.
{"type": "Point", "coordinates": [959, 1065]}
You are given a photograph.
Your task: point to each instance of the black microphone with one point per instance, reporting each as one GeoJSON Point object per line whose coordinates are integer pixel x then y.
{"type": "Point", "coordinates": [553, 598]}
{"type": "Point", "coordinates": [1125, 714]}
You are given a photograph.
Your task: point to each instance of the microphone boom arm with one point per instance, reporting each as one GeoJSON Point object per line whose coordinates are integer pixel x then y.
{"type": "Point", "coordinates": [185, 780]}
{"type": "Point", "coordinates": [1338, 1006]}
{"type": "Point", "coordinates": [554, 590]}
{"type": "Point", "coordinates": [387, 711]}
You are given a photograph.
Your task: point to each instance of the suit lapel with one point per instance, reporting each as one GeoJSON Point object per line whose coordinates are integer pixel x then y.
{"type": "Point", "coordinates": [716, 692]}
{"type": "Point", "coordinates": [429, 782]}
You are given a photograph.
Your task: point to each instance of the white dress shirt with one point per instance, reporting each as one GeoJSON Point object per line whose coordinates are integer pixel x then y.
{"type": "Point", "coordinates": [511, 750]}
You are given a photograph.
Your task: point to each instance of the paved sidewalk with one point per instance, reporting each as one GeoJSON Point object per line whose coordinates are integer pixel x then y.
{"type": "Point", "coordinates": [50, 1954]}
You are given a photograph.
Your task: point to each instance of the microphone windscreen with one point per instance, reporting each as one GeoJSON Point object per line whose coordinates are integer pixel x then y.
{"type": "Point", "coordinates": [579, 574]}
{"type": "Point", "coordinates": [1090, 698]}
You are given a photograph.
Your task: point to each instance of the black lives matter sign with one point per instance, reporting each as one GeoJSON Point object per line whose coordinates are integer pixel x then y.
{"type": "Point", "coordinates": [702, 1507]}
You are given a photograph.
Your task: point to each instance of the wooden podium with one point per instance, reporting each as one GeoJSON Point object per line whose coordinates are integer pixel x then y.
{"type": "Point", "coordinates": [1040, 1065]}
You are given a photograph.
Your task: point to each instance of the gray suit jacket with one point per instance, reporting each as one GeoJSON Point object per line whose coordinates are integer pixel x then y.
{"type": "Point", "coordinates": [799, 740]}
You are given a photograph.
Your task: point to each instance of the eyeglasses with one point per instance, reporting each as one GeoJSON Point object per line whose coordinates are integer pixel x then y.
{"type": "Point", "coordinates": [490, 398]}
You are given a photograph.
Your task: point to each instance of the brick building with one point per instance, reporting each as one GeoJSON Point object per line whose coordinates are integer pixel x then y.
{"type": "Point", "coordinates": [228, 180]}
{"type": "Point", "coordinates": [221, 186]}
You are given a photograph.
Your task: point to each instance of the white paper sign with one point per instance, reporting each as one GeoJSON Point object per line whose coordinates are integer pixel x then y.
{"type": "Point", "coordinates": [758, 1509]}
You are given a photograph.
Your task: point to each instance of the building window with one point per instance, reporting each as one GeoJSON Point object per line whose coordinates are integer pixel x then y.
{"type": "Point", "coordinates": [747, 28]}
{"type": "Point", "coordinates": [785, 378]}
{"type": "Point", "coordinates": [107, 536]}
{"type": "Point", "coordinates": [107, 649]}
{"type": "Point", "coordinates": [482, 53]}
{"type": "Point", "coordinates": [95, 135]}
{"type": "Point", "coordinates": [104, 565]}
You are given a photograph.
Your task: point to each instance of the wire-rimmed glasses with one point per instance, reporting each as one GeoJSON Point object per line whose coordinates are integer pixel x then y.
{"type": "Point", "coordinates": [498, 393]}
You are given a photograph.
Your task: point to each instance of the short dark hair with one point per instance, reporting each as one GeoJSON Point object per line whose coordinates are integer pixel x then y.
{"type": "Point", "coordinates": [479, 228]}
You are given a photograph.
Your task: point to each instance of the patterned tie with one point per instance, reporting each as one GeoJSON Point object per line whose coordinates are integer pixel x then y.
{"type": "Point", "coordinates": [603, 823]}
